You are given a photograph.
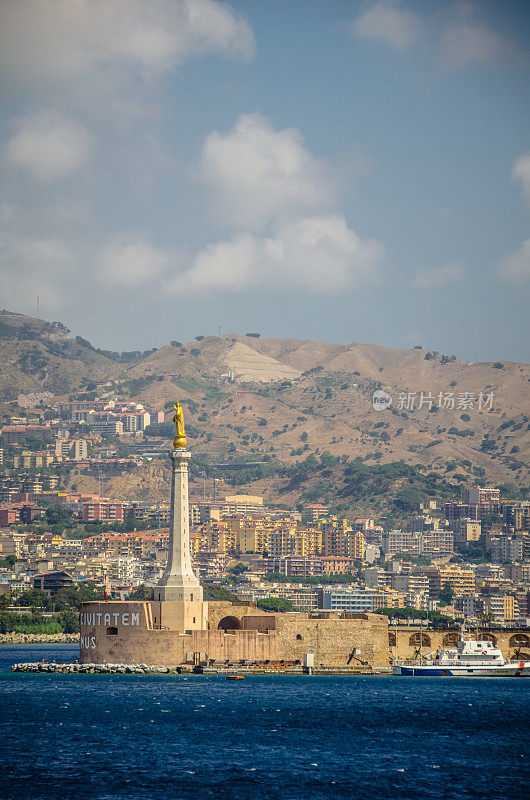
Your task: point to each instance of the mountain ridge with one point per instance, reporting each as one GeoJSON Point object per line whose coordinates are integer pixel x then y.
{"type": "Point", "coordinates": [287, 398]}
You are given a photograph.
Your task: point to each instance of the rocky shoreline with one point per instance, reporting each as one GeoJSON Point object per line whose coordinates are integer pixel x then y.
{"type": "Point", "coordinates": [187, 669]}
{"type": "Point", "coordinates": [39, 638]}
{"type": "Point", "coordinates": [104, 669]}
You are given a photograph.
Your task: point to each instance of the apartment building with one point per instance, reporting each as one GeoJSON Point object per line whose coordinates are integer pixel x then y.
{"type": "Point", "coordinates": [355, 601]}
{"type": "Point", "coordinates": [410, 583]}
{"type": "Point", "coordinates": [295, 566]}
{"type": "Point", "coordinates": [507, 549]}
{"type": "Point", "coordinates": [28, 459]}
{"type": "Point", "coordinates": [460, 579]}
{"type": "Point", "coordinates": [430, 544]}
{"type": "Point", "coordinates": [102, 511]}
{"type": "Point", "coordinates": [466, 530]}
{"type": "Point", "coordinates": [338, 565]}
{"type": "Point", "coordinates": [501, 607]}
{"type": "Point", "coordinates": [74, 449]}
{"type": "Point", "coordinates": [517, 514]}
{"type": "Point", "coordinates": [316, 511]}
{"type": "Point", "coordinates": [343, 542]}
{"type": "Point", "coordinates": [218, 536]}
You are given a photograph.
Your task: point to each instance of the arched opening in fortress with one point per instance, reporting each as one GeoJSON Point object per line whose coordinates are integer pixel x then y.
{"type": "Point", "coordinates": [391, 639]}
{"type": "Point", "coordinates": [229, 624]}
{"type": "Point", "coordinates": [520, 640]}
{"type": "Point", "coordinates": [450, 640]}
{"type": "Point", "coordinates": [414, 640]}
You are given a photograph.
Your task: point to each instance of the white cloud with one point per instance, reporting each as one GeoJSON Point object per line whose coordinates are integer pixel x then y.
{"type": "Point", "coordinates": [317, 254]}
{"type": "Point", "coordinates": [465, 39]}
{"type": "Point", "coordinates": [48, 145]}
{"type": "Point", "coordinates": [255, 174]}
{"type": "Point", "coordinates": [60, 40]}
{"type": "Point", "coordinates": [270, 188]}
{"type": "Point", "coordinates": [130, 261]}
{"type": "Point", "coordinates": [34, 267]}
{"type": "Point", "coordinates": [455, 36]}
{"type": "Point", "coordinates": [516, 266]}
{"type": "Point", "coordinates": [438, 277]}
{"type": "Point", "coordinates": [389, 22]}
{"type": "Point", "coordinates": [521, 173]}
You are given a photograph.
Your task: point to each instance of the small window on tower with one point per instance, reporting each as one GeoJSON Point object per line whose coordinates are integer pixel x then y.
{"type": "Point", "coordinates": [191, 597]}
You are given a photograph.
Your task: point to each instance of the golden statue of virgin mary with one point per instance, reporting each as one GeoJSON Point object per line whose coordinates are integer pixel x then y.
{"type": "Point", "coordinates": [178, 419]}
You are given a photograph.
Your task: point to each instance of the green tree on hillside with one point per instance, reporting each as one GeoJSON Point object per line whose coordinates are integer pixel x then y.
{"type": "Point", "coordinates": [275, 604]}
{"type": "Point", "coordinates": [447, 594]}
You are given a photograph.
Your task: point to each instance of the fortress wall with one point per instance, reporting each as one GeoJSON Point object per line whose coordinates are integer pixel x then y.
{"type": "Point", "coordinates": [122, 632]}
{"type": "Point", "coordinates": [407, 640]}
{"type": "Point", "coordinates": [333, 641]}
{"type": "Point", "coordinates": [169, 648]}
{"type": "Point", "coordinates": [260, 622]}
{"type": "Point", "coordinates": [125, 632]}
{"type": "Point", "coordinates": [218, 609]}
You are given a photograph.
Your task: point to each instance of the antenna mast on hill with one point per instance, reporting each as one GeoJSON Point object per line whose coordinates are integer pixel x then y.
{"type": "Point", "coordinates": [38, 307]}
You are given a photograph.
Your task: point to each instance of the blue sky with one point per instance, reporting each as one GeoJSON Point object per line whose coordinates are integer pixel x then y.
{"type": "Point", "coordinates": [344, 171]}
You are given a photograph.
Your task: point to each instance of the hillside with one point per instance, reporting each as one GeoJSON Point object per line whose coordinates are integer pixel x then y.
{"type": "Point", "coordinates": [248, 398]}
{"type": "Point", "coordinates": [40, 356]}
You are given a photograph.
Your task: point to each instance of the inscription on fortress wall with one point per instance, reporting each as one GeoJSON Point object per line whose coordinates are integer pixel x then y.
{"type": "Point", "coordinates": [108, 619]}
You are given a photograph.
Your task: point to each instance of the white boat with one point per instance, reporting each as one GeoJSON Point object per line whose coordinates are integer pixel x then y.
{"type": "Point", "coordinates": [471, 658]}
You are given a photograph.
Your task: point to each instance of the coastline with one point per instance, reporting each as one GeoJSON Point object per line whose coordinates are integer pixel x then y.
{"type": "Point", "coordinates": [154, 669]}
{"type": "Point", "coordinates": [38, 638]}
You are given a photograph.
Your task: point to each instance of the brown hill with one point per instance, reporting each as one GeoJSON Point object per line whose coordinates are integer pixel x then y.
{"type": "Point", "coordinates": [248, 397]}
{"type": "Point", "coordinates": [40, 356]}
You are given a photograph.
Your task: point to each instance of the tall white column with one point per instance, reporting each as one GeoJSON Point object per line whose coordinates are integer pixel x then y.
{"type": "Point", "coordinates": [178, 581]}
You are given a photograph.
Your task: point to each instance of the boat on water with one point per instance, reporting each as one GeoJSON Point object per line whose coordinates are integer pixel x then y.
{"type": "Point", "coordinates": [470, 658]}
{"type": "Point", "coordinates": [235, 677]}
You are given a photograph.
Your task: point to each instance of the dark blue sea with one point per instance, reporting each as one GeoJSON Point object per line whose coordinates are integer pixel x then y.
{"type": "Point", "coordinates": [267, 737]}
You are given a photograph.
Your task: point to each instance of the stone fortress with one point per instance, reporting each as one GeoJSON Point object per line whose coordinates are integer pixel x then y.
{"type": "Point", "coordinates": [178, 627]}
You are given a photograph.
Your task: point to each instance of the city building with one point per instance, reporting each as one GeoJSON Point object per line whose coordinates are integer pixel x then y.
{"type": "Point", "coordinates": [466, 530]}
{"type": "Point", "coordinates": [342, 600]}
{"type": "Point", "coordinates": [51, 582]}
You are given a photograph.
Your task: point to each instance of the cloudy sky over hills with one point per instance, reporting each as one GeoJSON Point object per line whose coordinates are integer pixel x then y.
{"type": "Point", "coordinates": [346, 171]}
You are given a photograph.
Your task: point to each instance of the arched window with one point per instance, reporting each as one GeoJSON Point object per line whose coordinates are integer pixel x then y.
{"type": "Point", "coordinates": [299, 636]}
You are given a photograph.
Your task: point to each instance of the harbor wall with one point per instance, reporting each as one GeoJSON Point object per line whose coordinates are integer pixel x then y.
{"type": "Point", "coordinates": [404, 640]}
{"type": "Point", "coordinates": [126, 632]}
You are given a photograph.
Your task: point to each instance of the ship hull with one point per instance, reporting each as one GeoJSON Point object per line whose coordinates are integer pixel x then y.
{"type": "Point", "coordinates": [512, 670]}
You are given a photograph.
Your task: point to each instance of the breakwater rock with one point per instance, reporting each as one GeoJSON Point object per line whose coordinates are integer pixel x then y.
{"type": "Point", "coordinates": [185, 669]}
{"type": "Point", "coordinates": [39, 638]}
{"type": "Point", "coordinates": [103, 669]}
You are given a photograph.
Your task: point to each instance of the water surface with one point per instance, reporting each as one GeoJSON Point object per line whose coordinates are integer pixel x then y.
{"type": "Point", "coordinates": [267, 737]}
